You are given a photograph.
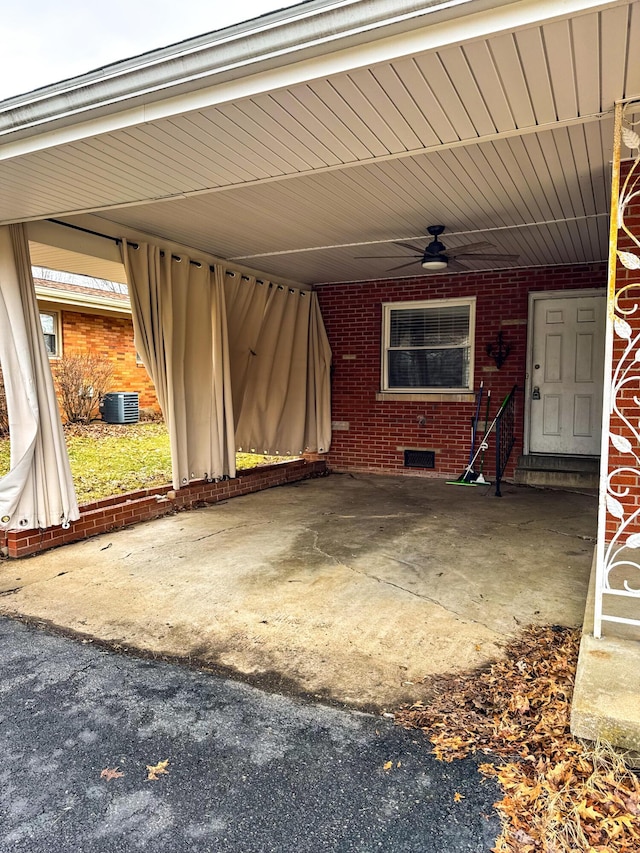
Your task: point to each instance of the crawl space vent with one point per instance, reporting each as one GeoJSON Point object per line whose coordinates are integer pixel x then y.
{"type": "Point", "coordinates": [419, 459]}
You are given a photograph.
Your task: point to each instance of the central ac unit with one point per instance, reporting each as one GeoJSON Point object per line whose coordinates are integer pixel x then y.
{"type": "Point", "coordinates": [120, 407]}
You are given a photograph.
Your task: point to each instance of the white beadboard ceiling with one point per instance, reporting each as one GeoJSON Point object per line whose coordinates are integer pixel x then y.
{"type": "Point", "coordinates": [506, 138]}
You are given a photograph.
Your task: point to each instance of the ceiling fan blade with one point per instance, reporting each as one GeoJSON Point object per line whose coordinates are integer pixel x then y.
{"type": "Point", "coordinates": [469, 247]}
{"type": "Point", "coordinates": [409, 246]}
{"type": "Point", "coordinates": [363, 257]}
{"type": "Point", "coordinates": [480, 256]}
{"type": "Point", "coordinates": [402, 266]}
{"type": "Point", "coordinates": [455, 264]}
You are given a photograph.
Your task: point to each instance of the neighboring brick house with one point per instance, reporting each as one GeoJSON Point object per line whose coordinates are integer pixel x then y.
{"type": "Point", "coordinates": [81, 319]}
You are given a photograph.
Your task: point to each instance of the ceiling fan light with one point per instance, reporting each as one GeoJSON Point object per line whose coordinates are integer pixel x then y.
{"type": "Point", "coordinates": [434, 263]}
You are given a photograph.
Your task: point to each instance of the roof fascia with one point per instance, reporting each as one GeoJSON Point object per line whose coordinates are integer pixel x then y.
{"type": "Point", "coordinates": [70, 299]}
{"type": "Point", "coordinates": [308, 28]}
{"type": "Point", "coordinates": [62, 117]}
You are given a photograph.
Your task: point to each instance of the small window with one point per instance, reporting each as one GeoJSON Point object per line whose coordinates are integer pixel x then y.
{"type": "Point", "coordinates": [49, 323]}
{"type": "Point", "coordinates": [428, 346]}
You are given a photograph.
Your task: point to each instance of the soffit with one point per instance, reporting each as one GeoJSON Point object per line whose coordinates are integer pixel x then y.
{"type": "Point", "coordinates": [483, 136]}
{"type": "Point", "coordinates": [551, 186]}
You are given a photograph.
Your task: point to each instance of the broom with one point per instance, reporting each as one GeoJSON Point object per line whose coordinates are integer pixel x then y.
{"type": "Point", "coordinates": [467, 477]}
{"type": "Point", "coordinates": [480, 481]}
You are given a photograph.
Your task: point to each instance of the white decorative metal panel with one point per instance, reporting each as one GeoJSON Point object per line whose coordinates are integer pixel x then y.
{"type": "Point", "coordinates": [618, 563]}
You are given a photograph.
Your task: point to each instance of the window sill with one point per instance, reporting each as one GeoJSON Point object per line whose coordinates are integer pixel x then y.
{"type": "Point", "coordinates": [426, 396]}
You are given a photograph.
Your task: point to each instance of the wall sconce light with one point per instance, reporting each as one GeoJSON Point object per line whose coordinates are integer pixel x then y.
{"type": "Point", "coordinates": [499, 350]}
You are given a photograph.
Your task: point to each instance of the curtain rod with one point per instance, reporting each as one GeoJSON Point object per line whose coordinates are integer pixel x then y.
{"type": "Point", "coordinates": [118, 242]}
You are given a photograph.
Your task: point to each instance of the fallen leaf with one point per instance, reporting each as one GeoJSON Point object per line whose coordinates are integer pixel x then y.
{"type": "Point", "coordinates": [458, 797]}
{"type": "Point", "coordinates": [388, 765]}
{"type": "Point", "coordinates": [156, 770]}
{"type": "Point", "coordinates": [523, 837]}
{"type": "Point", "coordinates": [517, 711]}
{"type": "Point", "coordinates": [110, 773]}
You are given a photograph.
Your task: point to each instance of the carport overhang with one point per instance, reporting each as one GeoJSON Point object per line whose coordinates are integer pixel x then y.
{"type": "Point", "coordinates": [293, 143]}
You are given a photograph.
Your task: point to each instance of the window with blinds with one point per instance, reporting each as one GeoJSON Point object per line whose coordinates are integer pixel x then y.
{"type": "Point", "coordinates": [428, 346]}
{"type": "Point", "coordinates": [49, 323]}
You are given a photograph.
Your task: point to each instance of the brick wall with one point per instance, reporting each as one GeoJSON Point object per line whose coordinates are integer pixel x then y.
{"type": "Point", "coordinates": [121, 511]}
{"type": "Point", "coordinates": [353, 318]}
{"type": "Point", "coordinates": [113, 338]}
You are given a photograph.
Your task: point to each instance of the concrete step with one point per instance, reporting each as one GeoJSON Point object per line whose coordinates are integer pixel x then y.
{"type": "Point", "coordinates": [558, 471]}
{"type": "Point", "coordinates": [605, 702]}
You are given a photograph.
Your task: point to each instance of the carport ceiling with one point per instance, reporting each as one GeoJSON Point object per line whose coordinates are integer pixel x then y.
{"type": "Point", "coordinates": [499, 126]}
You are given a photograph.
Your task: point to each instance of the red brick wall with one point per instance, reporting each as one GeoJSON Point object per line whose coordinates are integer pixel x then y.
{"type": "Point", "coordinates": [113, 338]}
{"type": "Point", "coordinates": [353, 318]}
{"type": "Point", "coordinates": [121, 511]}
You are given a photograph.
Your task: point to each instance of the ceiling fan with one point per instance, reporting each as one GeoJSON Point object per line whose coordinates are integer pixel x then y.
{"type": "Point", "coordinates": [436, 257]}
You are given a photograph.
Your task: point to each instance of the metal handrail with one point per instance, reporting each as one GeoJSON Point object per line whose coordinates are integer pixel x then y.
{"type": "Point", "coordinates": [505, 436]}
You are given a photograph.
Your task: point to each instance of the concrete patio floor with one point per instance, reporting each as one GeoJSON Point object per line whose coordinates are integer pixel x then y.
{"type": "Point", "coordinates": [349, 588]}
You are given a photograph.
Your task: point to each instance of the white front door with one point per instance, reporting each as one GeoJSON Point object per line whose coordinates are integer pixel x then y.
{"type": "Point", "coordinates": [567, 365]}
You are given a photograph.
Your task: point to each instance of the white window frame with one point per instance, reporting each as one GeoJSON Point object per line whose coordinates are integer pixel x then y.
{"type": "Point", "coordinates": [388, 307]}
{"type": "Point", "coordinates": [57, 332]}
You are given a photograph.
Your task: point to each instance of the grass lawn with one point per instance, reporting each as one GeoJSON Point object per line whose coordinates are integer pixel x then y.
{"type": "Point", "coordinates": [108, 459]}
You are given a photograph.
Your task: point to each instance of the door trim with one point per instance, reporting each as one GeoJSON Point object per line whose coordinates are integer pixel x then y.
{"type": "Point", "coordinates": [535, 295]}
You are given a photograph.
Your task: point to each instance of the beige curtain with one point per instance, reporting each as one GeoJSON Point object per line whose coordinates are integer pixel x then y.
{"type": "Point", "coordinates": [280, 365]}
{"type": "Point", "coordinates": [38, 491]}
{"type": "Point", "coordinates": [181, 335]}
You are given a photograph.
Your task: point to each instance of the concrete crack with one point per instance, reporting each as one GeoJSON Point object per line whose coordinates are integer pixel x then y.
{"type": "Point", "coordinates": [570, 535]}
{"type": "Point", "coordinates": [380, 580]}
{"type": "Point", "coordinates": [253, 526]}
{"type": "Point", "coordinates": [527, 524]}
{"type": "Point", "coordinates": [10, 591]}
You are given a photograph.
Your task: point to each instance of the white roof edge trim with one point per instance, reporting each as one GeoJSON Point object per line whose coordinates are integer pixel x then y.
{"type": "Point", "coordinates": [156, 55]}
{"type": "Point", "coordinates": [221, 52]}
{"type": "Point", "coordinates": [471, 27]}
{"type": "Point", "coordinates": [197, 44]}
{"type": "Point", "coordinates": [81, 300]}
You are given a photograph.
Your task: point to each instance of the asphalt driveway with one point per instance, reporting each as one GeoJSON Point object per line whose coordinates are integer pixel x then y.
{"type": "Point", "coordinates": [247, 771]}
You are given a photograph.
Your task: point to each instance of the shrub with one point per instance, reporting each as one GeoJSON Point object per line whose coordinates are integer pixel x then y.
{"type": "Point", "coordinates": [4, 412]}
{"type": "Point", "coordinates": [82, 381]}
